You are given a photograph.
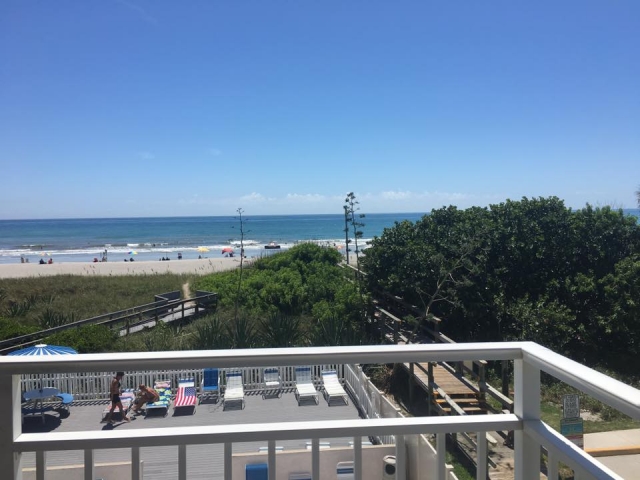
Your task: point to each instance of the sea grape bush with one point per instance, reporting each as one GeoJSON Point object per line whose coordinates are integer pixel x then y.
{"type": "Point", "coordinates": [522, 270]}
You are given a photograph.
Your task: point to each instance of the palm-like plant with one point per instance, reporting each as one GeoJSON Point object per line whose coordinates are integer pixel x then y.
{"type": "Point", "coordinates": [242, 333]}
{"type": "Point", "coordinates": [335, 331]}
{"type": "Point", "coordinates": [210, 334]}
{"type": "Point", "coordinates": [281, 331]}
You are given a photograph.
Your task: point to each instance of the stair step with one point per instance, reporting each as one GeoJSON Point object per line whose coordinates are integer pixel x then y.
{"type": "Point", "coordinates": [458, 400]}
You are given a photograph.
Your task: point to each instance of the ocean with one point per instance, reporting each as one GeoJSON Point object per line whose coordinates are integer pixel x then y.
{"type": "Point", "coordinates": [82, 240]}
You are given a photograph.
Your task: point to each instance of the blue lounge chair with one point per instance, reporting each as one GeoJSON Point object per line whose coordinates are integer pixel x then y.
{"type": "Point", "coordinates": [210, 383]}
{"type": "Point", "coordinates": [258, 471]}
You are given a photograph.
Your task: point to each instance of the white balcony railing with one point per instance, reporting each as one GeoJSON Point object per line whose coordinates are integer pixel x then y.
{"type": "Point", "coordinates": [530, 432]}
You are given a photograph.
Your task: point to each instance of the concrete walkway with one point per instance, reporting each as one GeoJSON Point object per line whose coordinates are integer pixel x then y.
{"type": "Point", "coordinates": [607, 446]}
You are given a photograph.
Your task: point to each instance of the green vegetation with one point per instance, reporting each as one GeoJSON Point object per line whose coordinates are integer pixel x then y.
{"type": "Point", "coordinates": [28, 305]}
{"type": "Point", "coordinates": [526, 270]}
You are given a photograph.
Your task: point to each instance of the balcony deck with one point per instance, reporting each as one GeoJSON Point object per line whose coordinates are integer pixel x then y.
{"type": "Point", "coordinates": [204, 461]}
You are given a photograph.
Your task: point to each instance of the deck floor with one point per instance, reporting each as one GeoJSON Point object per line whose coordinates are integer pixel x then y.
{"type": "Point", "coordinates": [203, 461]}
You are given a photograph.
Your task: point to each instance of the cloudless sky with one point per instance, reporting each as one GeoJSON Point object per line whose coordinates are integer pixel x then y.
{"type": "Point", "coordinates": [158, 108]}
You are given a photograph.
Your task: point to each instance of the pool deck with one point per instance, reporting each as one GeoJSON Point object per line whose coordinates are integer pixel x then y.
{"type": "Point", "coordinates": [203, 461]}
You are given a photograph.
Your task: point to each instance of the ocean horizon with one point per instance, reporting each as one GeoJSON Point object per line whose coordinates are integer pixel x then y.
{"type": "Point", "coordinates": [154, 238]}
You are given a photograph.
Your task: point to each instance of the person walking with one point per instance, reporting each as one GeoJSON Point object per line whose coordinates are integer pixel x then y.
{"type": "Point", "coordinates": [114, 394]}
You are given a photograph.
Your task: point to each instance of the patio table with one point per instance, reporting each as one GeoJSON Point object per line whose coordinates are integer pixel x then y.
{"type": "Point", "coordinates": [38, 395]}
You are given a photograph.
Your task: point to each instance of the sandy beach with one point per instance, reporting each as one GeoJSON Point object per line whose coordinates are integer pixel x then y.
{"type": "Point", "coordinates": [199, 267]}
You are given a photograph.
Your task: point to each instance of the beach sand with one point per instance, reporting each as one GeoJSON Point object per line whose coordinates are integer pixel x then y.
{"type": "Point", "coordinates": [198, 267]}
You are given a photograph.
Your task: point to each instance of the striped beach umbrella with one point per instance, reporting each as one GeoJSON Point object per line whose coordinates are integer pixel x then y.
{"type": "Point", "coordinates": [42, 349]}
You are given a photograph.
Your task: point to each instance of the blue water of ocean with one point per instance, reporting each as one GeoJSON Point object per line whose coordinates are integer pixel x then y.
{"type": "Point", "coordinates": [82, 240]}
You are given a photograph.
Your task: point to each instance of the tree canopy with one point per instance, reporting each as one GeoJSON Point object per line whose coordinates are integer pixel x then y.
{"type": "Point", "coordinates": [521, 270]}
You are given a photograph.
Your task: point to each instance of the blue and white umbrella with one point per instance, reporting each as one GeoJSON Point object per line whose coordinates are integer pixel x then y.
{"type": "Point", "coordinates": [43, 349]}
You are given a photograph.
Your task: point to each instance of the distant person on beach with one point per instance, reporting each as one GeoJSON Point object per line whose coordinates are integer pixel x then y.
{"type": "Point", "coordinates": [42, 262]}
{"type": "Point", "coordinates": [179, 256]}
{"type": "Point", "coordinates": [131, 259]}
{"type": "Point", "coordinates": [114, 394]}
{"type": "Point", "coordinates": [21, 259]}
{"type": "Point", "coordinates": [50, 261]}
{"type": "Point", "coordinates": [199, 257]}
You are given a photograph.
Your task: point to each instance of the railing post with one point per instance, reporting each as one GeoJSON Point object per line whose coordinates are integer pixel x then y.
{"type": "Point", "coordinates": [315, 458]}
{"type": "Point", "coordinates": [430, 381]}
{"type": "Point", "coordinates": [411, 383]}
{"type": "Point", "coordinates": [441, 450]}
{"type": "Point", "coordinates": [182, 462]}
{"type": "Point", "coordinates": [271, 459]}
{"type": "Point", "coordinates": [41, 465]}
{"type": "Point", "coordinates": [401, 458]}
{"type": "Point", "coordinates": [396, 326]}
{"type": "Point", "coordinates": [482, 382]}
{"type": "Point", "coordinates": [357, 458]}
{"type": "Point", "coordinates": [228, 473]}
{"type": "Point", "coordinates": [505, 377]}
{"type": "Point", "coordinates": [135, 463]}
{"type": "Point", "coordinates": [10, 402]}
{"type": "Point", "coordinates": [527, 407]}
{"type": "Point", "coordinates": [481, 461]}
{"type": "Point", "coordinates": [89, 473]}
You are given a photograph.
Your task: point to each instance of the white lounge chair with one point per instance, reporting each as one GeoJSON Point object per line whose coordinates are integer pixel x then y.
{"type": "Point", "coordinates": [344, 471]}
{"type": "Point", "coordinates": [304, 385]}
{"type": "Point", "coordinates": [272, 383]}
{"type": "Point", "coordinates": [332, 389]}
{"type": "Point", "coordinates": [234, 391]}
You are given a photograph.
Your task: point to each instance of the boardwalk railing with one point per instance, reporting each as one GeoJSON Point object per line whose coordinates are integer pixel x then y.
{"type": "Point", "coordinates": [123, 319]}
{"type": "Point", "coordinates": [531, 433]}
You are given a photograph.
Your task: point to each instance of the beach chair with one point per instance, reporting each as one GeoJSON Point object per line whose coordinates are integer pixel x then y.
{"type": "Point", "coordinates": [257, 471]}
{"type": "Point", "coordinates": [272, 383]}
{"type": "Point", "coordinates": [210, 385]}
{"type": "Point", "coordinates": [161, 407]}
{"type": "Point", "coordinates": [234, 390]}
{"type": "Point", "coordinates": [333, 391]}
{"type": "Point", "coordinates": [344, 471]}
{"type": "Point", "coordinates": [186, 397]}
{"type": "Point", "coordinates": [305, 389]}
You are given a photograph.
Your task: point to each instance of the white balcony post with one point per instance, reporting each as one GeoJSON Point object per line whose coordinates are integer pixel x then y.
{"type": "Point", "coordinates": [401, 458]}
{"type": "Point", "coordinates": [88, 464]}
{"type": "Point", "coordinates": [271, 455]}
{"type": "Point", "coordinates": [357, 458]}
{"type": "Point", "coordinates": [441, 451]}
{"type": "Point", "coordinates": [135, 463]}
{"type": "Point", "coordinates": [182, 462]}
{"type": "Point", "coordinates": [481, 441]}
{"type": "Point", "coordinates": [10, 404]}
{"type": "Point", "coordinates": [228, 450]}
{"type": "Point", "coordinates": [527, 407]}
{"type": "Point", "coordinates": [41, 465]}
{"type": "Point", "coordinates": [315, 458]}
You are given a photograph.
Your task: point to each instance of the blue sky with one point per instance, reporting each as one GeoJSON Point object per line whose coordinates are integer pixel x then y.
{"type": "Point", "coordinates": [156, 108]}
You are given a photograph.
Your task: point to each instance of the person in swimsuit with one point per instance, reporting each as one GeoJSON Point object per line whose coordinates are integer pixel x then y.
{"type": "Point", "coordinates": [114, 393]}
{"type": "Point", "coordinates": [145, 395]}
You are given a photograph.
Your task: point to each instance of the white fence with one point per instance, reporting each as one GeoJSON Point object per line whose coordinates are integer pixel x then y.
{"type": "Point", "coordinates": [531, 433]}
{"type": "Point", "coordinates": [95, 385]}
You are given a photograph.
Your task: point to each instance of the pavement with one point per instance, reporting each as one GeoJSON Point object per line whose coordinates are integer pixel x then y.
{"type": "Point", "coordinates": [618, 441]}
